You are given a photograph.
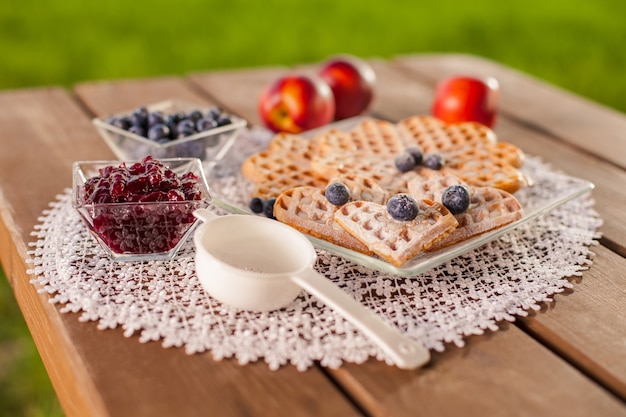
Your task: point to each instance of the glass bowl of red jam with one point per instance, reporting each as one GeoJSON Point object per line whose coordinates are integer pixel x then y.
{"type": "Point", "coordinates": [140, 210]}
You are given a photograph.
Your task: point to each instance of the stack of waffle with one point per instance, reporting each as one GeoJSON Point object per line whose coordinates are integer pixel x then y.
{"type": "Point", "coordinates": [296, 170]}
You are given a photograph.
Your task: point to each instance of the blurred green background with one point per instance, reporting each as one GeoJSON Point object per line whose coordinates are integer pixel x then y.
{"type": "Point", "coordinates": [575, 44]}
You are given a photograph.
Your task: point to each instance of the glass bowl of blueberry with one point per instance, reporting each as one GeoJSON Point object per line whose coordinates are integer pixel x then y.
{"type": "Point", "coordinates": [170, 129]}
{"type": "Point", "coordinates": [142, 210]}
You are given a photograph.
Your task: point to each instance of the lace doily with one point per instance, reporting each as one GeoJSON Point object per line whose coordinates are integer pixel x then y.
{"type": "Point", "coordinates": [163, 301]}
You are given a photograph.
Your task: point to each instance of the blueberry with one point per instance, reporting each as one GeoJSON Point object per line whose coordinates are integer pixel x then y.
{"type": "Point", "coordinates": [206, 123]}
{"type": "Point", "coordinates": [178, 116]}
{"type": "Point", "coordinates": [256, 205]}
{"type": "Point", "coordinates": [140, 117]}
{"type": "Point", "coordinates": [171, 120]}
{"type": "Point", "coordinates": [183, 133]}
{"type": "Point", "coordinates": [137, 130]}
{"type": "Point", "coordinates": [122, 123]}
{"type": "Point", "coordinates": [214, 113]}
{"type": "Point", "coordinates": [186, 123]}
{"type": "Point", "coordinates": [456, 198]}
{"type": "Point", "coordinates": [195, 115]}
{"type": "Point", "coordinates": [405, 162]}
{"type": "Point", "coordinates": [417, 153]}
{"type": "Point", "coordinates": [223, 120]}
{"type": "Point", "coordinates": [155, 117]}
{"type": "Point", "coordinates": [268, 208]}
{"type": "Point", "coordinates": [171, 123]}
{"type": "Point", "coordinates": [185, 127]}
{"type": "Point", "coordinates": [337, 193]}
{"type": "Point", "coordinates": [158, 131]}
{"type": "Point", "coordinates": [434, 161]}
{"type": "Point", "coordinates": [191, 149]}
{"type": "Point", "coordinates": [402, 207]}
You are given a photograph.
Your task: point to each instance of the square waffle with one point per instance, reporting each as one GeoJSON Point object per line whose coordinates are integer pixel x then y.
{"type": "Point", "coordinates": [393, 240]}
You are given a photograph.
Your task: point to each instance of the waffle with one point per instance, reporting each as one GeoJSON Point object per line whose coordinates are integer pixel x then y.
{"type": "Point", "coordinates": [268, 166]}
{"type": "Point", "coordinates": [369, 138]}
{"type": "Point", "coordinates": [294, 147]}
{"type": "Point", "coordinates": [288, 179]}
{"type": "Point", "coordinates": [489, 166]}
{"type": "Point", "coordinates": [471, 151]}
{"type": "Point", "coordinates": [434, 135]}
{"type": "Point", "coordinates": [399, 184]}
{"type": "Point", "coordinates": [362, 188]}
{"type": "Point", "coordinates": [427, 184]}
{"type": "Point", "coordinates": [296, 171]}
{"type": "Point", "coordinates": [395, 241]}
{"type": "Point", "coordinates": [307, 210]}
{"type": "Point", "coordinates": [490, 208]}
{"type": "Point", "coordinates": [380, 170]}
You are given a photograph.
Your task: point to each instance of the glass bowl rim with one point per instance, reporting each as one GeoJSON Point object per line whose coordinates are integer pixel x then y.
{"type": "Point", "coordinates": [196, 163]}
{"type": "Point", "coordinates": [237, 124]}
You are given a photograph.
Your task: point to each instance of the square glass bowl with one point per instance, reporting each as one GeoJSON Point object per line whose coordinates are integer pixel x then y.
{"type": "Point", "coordinates": [140, 231]}
{"type": "Point", "coordinates": [208, 145]}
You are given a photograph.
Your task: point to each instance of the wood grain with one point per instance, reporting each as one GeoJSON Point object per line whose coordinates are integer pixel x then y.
{"type": "Point", "coordinates": [498, 374]}
{"type": "Point", "coordinates": [104, 98]}
{"type": "Point", "coordinates": [238, 90]}
{"type": "Point", "coordinates": [43, 132]}
{"type": "Point", "coordinates": [587, 325]}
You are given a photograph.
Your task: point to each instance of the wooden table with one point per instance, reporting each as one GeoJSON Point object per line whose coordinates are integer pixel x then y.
{"type": "Point", "coordinates": [569, 359]}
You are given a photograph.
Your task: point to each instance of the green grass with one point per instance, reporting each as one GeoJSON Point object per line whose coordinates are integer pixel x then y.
{"type": "Point", "coordinates": [25, 389]}
{"type": "Point", "coordinates": [575, 44]}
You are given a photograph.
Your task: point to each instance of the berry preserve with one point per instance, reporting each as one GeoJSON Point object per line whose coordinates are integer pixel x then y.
{"type": "Point", "coordinates": [144, 207]}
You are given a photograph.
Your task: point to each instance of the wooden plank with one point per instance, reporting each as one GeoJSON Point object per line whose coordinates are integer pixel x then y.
{"type": "Point", "coordinates": [43, 132]}
{"type": "Point", "coordinates": [587, 325]}
{"type": "Point", "coordinates": [387, 391]}
{"type": "Point", "coordinates": [597, 129]}
{"type": "Point", "coordinates": [67, 368]}
{"type": "Point", "coordinates": [499, 374]}
{"type": "Point", "coordinates": [43, 129]}
{"type": "Point", "coordinates": [102, 373]}
{"type": "Point", "coordinates": [104, 98]}
{"type": "Point", "coordinates": [238, 90]}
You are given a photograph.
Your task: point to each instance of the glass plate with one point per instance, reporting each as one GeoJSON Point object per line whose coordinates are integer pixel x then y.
{"type": "Point", "coordinates": [231, 191]}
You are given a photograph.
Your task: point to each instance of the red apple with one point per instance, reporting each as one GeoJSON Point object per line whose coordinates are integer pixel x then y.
{"type": "Point", "coordinates": [295, 103]}
{"type": "Point", "coordinates": [352, 81]}
{"type": "Point", "coordinates": [467, 99]}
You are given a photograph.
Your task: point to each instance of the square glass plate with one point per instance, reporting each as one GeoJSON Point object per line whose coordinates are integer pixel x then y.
{"type": "Point", "coordinates": [231, 191]}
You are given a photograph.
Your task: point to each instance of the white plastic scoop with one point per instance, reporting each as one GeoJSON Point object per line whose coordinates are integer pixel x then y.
{"type": "Point", "coordinates": [259, 264]}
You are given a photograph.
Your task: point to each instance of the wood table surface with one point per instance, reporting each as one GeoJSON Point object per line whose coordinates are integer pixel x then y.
{"type": "Point", "coordinates": [568, 359]}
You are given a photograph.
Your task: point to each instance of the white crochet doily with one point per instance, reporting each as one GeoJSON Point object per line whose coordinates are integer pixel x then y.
{"type": "Point", "coordinates": [163, 301]}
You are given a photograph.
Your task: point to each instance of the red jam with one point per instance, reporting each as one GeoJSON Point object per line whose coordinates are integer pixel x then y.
{"type": "Point", "coordinates": [132, 227]}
